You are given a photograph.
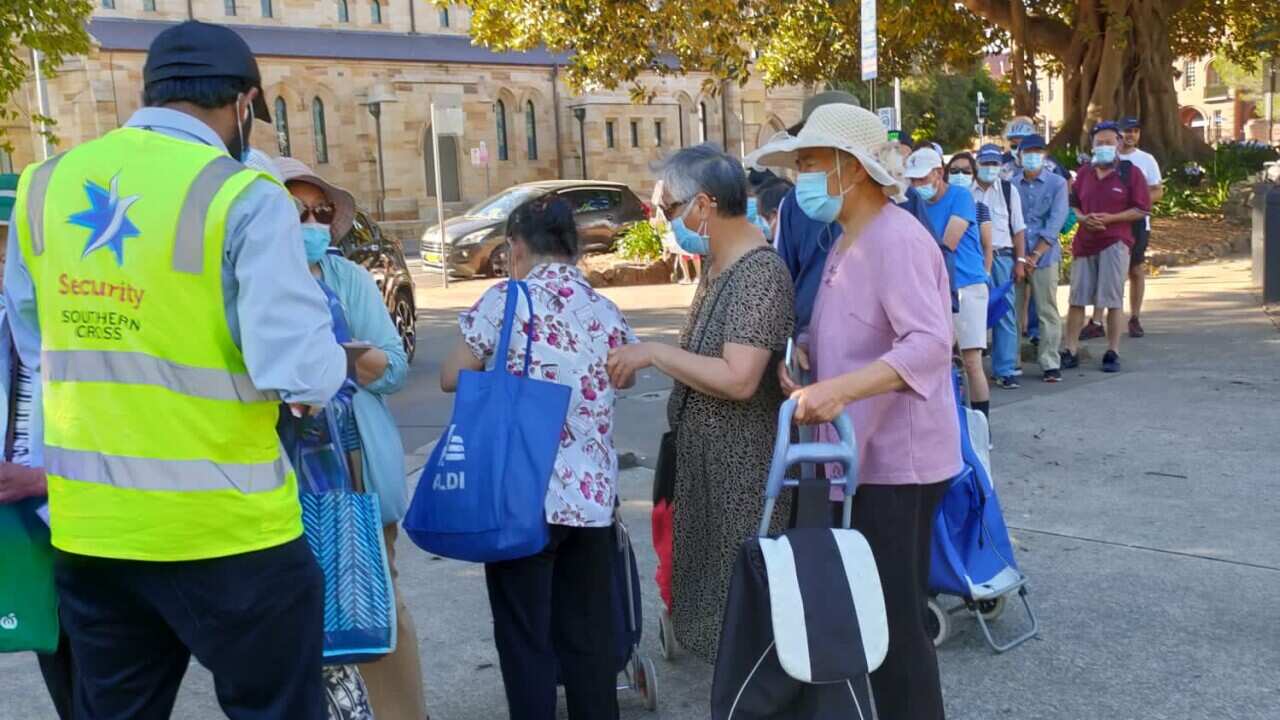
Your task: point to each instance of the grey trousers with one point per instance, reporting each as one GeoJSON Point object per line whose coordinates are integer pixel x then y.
{"type": "Point", "coordinates": [1044, 289]}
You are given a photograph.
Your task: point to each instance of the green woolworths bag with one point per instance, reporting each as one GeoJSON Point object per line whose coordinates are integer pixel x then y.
{"type": "Point", "coordinates": [28, 603]}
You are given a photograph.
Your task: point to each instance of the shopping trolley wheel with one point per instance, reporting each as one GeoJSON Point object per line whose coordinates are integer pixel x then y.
{"type": "Point", "coordinates": [993, 608]}
{"type": "Point", "coordinates": [646, 681]}
{"type": "Point", "coordinates": [937, 622]}
{"type": "Point", "coordinates": [667, 636]}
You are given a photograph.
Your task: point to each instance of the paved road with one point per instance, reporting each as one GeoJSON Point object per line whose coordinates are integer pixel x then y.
{"type": "Point", "coordinates": [1143, 508]}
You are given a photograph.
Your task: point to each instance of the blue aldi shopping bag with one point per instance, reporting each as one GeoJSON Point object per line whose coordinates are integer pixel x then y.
{"type": "Point", "coordinates": [28, 601]}
{"type": "Point", "coordinates": [481, 494]}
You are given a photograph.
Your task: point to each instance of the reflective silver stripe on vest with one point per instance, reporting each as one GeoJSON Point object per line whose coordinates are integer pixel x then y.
{"type": "Point", "coordinates": [151, 474]}
{"type": "Point", "coordinates": [188, 253]}
{"type": "Point", "coordinates": [142, 369]}
{"type": "Point", "coordinates": [36, 192]}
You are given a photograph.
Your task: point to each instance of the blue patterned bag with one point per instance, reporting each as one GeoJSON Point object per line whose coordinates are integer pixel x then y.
{"type": "Point", "coordinates": [343, 525]}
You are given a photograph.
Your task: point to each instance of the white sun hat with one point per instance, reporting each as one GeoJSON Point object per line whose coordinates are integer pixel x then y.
{"type": "Point", "coordinates": [850, 129]}
{"type": "Point", "coordinates": [771, 145]}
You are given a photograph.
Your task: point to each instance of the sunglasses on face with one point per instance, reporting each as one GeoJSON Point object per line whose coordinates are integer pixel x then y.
{"type": "Point", "coordinates": [670, 210]}
{"type": "Point", "coordinates": [322, 214]}
{"type": "Point", "coordinates": [962, 170]}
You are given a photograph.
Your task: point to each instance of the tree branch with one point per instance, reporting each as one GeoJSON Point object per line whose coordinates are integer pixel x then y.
{"type": "Point", "coordinates": [1044, 34]}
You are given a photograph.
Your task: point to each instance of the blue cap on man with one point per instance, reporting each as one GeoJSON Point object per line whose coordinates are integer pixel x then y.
{"type": "Point", "coordinates": [1105, 125]}
{"type": "Point", "coordinates": [1130, 123]}
{"type": "Point", "coordinates": [1033, 141]}
{"type": "Point", "coordinates": [990, 154]}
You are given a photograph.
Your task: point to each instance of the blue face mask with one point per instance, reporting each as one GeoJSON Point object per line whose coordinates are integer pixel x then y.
{"type": "Point", "coordinates": [926, 192]}
{"type": "Point", "coordinates": [1033, 161]}
{"type": "Point", "coordinates": [958, 179]}
{"type": "Point", "coordinates": [688, 240]}
{"type": "Point", "coordinates": [315, 240]}
{"type": "Point", "coordinates": [988, 173]}
{"type": "Point", "coordinates": [1104, 154]}
{"type": "Point", "coordinates": [812, 197]}
{"type": "Point", "coordinates": [753, 215]}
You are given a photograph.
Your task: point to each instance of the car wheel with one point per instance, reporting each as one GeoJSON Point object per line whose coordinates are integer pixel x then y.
{"type": "Point", "coordinates": [406, 322]}
{"type": "Point", "coordinates": [499, 262]}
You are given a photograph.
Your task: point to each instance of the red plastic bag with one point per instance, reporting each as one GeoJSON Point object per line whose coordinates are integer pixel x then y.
{"type": "Point", "coordinates": [662, 537]}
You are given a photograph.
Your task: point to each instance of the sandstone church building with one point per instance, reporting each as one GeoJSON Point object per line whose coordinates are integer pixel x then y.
{"type": "Point", "coordinates": [323, 60]}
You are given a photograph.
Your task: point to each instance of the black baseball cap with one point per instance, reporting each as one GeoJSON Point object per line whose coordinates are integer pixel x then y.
{"type": "Point", "coordinates": [195, 49]}
{"type": "Point", "coordinates": [1130, 123]}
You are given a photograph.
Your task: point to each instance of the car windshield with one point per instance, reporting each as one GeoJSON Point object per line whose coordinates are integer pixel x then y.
{"type": "Point", "coordinates": [499, 206]}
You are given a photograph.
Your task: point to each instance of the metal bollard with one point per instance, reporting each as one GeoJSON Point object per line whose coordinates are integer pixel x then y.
{"type": "Point", "coordinates": [1266, 240]}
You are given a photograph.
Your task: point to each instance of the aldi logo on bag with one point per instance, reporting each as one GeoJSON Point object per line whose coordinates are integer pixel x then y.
{"type": "Point", "coordinates": [455, 451]}
{"type": "Point", "coordinates": [9, 622]}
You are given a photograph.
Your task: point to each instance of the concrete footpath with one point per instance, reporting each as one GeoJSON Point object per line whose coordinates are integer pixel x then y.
{"type": "Point", "coordinates": [1143, 507]}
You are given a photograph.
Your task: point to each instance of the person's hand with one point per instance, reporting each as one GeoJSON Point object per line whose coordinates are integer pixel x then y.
{"type": "Point", "coordinates": [818, 403]}
{"type": "Point", "coordinates": [301, 410]}
{"type": "Point", "coordinates": [790, 384]}
{"type": "Point", "coordinates": [19, 482]}
{"type": "Point", "coordinates": [1020, 271]}
{"type": "Point", "coordinates": [625, 361]}
{"type": "Point", "coordinates": [1093, 221]}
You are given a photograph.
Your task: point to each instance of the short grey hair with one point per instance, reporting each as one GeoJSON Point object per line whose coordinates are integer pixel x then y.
{"type": "Point", "coordinates": [706, 169]}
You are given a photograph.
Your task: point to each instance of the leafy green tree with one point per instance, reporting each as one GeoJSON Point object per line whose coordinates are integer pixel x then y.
{"type": "Point", "coordinates": [1253, 81]}
{"type": "Point", "coordinates": [55, 29]}
{"type": "Point", "coordinates": [941, 104]}
{"type": "Point", "coordinates": [1116, 56]}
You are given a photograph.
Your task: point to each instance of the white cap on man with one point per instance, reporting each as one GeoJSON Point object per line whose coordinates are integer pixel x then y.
{"type": "Point", "coordinates": [921, 162]}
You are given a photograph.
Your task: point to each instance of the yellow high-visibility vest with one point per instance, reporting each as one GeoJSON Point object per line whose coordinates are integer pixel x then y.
{"type": "Point", "coordinates": [157, 444]}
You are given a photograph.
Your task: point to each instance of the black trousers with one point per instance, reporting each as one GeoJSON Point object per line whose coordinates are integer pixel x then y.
{"type": "Point", "coordinates": [553, 616]}
{"type": "Point", "coordinates": [59, 672]}
{"type": "Point", "coordinates": [897, 521]}
{"type": "Point", "coordinates": [256, 621]}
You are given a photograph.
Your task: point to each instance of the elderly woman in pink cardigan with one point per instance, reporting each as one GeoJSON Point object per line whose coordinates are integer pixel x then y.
{"type": "Point", "coordinates": [879, 345]}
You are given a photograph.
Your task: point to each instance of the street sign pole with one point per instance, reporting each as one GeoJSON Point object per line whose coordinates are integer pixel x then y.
{"type": "Point", "coordinates": [870, 57]}
{"type": "Point", "coordinates": [444, 238]}
{"type": "Point", "coordinates": [897, 104]}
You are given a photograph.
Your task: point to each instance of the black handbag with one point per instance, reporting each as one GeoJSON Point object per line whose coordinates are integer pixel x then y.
{"type": "Point", "coordinates": [664, 472]}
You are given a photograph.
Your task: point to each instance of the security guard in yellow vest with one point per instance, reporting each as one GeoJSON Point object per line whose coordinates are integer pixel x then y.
{"type": "Point", "coordinates": [160, 288]}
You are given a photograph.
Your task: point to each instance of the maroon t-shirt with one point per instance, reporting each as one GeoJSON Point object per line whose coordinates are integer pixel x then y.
{"type": "Point", "coordinates": [1108, 194]}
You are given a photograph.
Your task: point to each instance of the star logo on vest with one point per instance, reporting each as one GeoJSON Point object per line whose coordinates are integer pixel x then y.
{"type": "Point", "coordinates": [107, 218]}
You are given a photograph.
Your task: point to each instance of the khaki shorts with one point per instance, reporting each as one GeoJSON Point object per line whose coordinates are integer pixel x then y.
{"type": "Point", "coordinates": [971, 321]}
{"type": "Point", "coordinates": [1098, 280]}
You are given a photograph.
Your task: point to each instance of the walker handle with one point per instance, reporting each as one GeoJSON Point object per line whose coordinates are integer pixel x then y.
{"type": "Point", "coordinates": [787, 455]}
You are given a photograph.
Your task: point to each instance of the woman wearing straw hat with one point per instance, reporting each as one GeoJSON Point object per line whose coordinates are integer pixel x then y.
{"type": "Point", "coordinates": [879, 345]}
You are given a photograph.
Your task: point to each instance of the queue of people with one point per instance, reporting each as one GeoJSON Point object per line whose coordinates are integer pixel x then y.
{"type": "Point", "coordinates": [174, 513]}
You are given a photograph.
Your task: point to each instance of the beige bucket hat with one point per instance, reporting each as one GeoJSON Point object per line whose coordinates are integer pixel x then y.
{"type": "Point", "coordinates": [344, 205]}
{"type": "Point", "coordinates": [848, 128]}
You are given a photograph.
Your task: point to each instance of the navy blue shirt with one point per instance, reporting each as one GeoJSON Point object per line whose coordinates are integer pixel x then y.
{"type": "Point", "coordinates": [804, 245]}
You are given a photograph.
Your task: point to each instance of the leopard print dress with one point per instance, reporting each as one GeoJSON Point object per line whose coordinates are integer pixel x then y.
{"type": "Point", "coordinates": [724, 447]}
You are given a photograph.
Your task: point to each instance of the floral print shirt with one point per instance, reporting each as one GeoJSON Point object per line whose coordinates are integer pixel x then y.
{"type": "Point", "coordinates": [573, 328]}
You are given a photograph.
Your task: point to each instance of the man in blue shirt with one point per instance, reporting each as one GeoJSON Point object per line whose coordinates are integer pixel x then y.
{"type": "Point", "coordinates": [953, 216]}
{"type": "Point", "coordinates": [1044, 209]}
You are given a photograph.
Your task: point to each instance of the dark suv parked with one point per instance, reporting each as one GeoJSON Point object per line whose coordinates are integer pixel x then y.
{"type": "Point", "coordinates": [383, 256]}
{"type": "Point", "coordinates": [478, 238]}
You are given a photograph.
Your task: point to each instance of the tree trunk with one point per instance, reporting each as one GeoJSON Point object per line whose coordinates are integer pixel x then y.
{"type": "Point", "coordinates": [1023, 103]}
{"type": "Point", "coordinates": [1117, 62]}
